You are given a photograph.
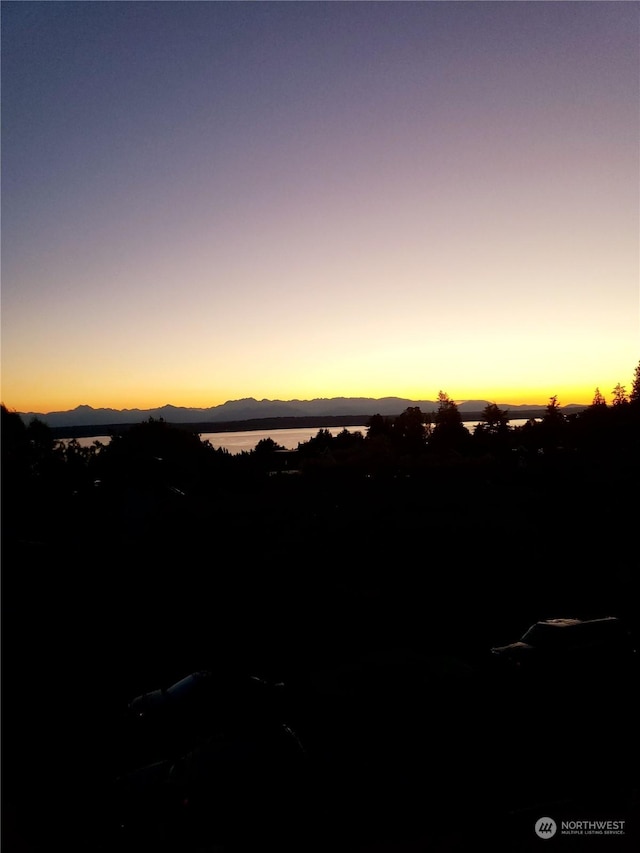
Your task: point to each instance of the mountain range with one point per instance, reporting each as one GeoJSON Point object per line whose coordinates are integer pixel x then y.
{"type": "Point", "coordinates": [251, 409]}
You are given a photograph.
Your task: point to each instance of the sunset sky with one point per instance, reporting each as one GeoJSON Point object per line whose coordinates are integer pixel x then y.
{"type": "Point", "coordinates": [205, 201]}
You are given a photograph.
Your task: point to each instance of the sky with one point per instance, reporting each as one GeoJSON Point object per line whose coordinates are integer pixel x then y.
{"type": "Point", "coordinates": [207, 201]}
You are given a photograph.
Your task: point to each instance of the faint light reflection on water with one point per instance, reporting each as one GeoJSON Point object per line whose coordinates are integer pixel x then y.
{"type": "Point", "coordinates": [246, 440]}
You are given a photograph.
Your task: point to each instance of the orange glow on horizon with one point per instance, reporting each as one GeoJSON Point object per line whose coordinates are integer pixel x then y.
{"type": "Point", "coordinates": [52, 402]}
{"type": "Point", "coordinates": [393, 208]}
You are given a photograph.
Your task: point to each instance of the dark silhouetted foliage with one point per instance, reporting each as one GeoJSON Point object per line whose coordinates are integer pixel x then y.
{"type": "Point", "coordinates": [131, 564]}
{"type": "Point", "coordinates": [619, 395]}
{"type": "Point", "coordinates": [449, 433]}
{"type": "Point", "coordinates": [634, 397]}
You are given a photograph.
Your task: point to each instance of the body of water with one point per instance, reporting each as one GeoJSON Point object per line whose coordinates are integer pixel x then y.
{"type": "Point", "coordinates": [246, 440]}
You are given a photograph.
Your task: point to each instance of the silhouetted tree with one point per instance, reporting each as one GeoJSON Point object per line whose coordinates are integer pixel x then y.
{"type": "Point", "coordinates": [634, 397]}
{"type": "Point", "coordinates": [263, 455]}
{"type": "Point", "coordinates": [448, 413]}
{"type": "Point", "coordinates": [449, 433]}
{"type": "Point", "coordinates": [16, 454]}
{"type": "Point", "coordinates": [33, 474]}
{"type": "Point", "coordinates": [494, 420]}
{"type": "Point", "coordinates": [40, 437]}
{"type": "Point", "coordinates": [13, 429]}
{"type": "Point", "coordinates": [379, 451]}
{"type": "Point", "coordinates": [379, 425]}
{"type": "Point", "coordinates": [491, 434]}
{"type": "Point", "coordinates": [409, 430]}
{"type": "Point", "coordinates": [317, 454]}
{"type": "Point", "coordinates": [319, 443]}
{"type": "Point", "coordinates": [619, 395]}
{"type": "Point", "coordinates": [267, 446]}
{"type": "Point", "coordinates": [553, 412]}
{"type": "Point", "coordinates": [79, 464]}
{"type": "Point", "coordinates": [47, 453]}
{"type": "Point", "coordinates": [347, 440]}
{"type": "Point", "coordinates": [155, 454]}
{"type": "Point", "coordinates": [590, 427]}
{"type": "Point", "coordinates": [551, 430]}
{"type": "Point", "coordinates": [625, 418]}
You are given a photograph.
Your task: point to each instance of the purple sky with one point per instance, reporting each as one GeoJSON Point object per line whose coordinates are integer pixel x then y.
{"type": "Point", "coordinates": [204, 201]}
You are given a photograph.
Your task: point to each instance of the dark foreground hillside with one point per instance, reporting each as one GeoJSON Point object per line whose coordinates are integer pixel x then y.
{"type": "Point", "coordinates": [376, 601]}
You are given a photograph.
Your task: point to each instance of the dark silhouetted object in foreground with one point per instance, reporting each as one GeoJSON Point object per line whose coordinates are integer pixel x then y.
{"type": "Point", "coordinates": [569, 643]}
{"type": "Point", "coordinates": [210, 760]}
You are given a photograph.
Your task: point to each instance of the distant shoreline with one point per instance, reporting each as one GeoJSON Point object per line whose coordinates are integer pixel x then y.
{"type": "Point", "coordinates": [287, 422]}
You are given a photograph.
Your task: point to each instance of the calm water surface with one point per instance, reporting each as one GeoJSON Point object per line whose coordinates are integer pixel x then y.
{"type": "Point", "coordinates": [237, 442]}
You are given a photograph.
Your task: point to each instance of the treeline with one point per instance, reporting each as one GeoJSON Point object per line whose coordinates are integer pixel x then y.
{"type": "Point", "coordinates": [155, 468]}
{"type": "Point", "coordinates": [156, 452]}
{"type": "Point", "coordinates": [129, 564]}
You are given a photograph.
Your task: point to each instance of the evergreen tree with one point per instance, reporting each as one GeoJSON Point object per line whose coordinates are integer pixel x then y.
{"type": "Point", "coordinates": [409, 429]}
{"type": "Point", "coordinates": [553, 413]}
{"type": "Point", "coordinates": [449, 432]}
{"type": "Point", "coordinates": [619, 395]}
{"type": "Point", "coordinates": [634, 397]}
{"type": "Point", "coordinates": [448, 413]}
{"type": "Point", "coordinates": [552, 428]}
{"type": "Point", "coordinates": [266, 446]}
{"type": "Point", "coordinates": [378, 426]}
{"type": "Point", "coordinates": [494, 420]}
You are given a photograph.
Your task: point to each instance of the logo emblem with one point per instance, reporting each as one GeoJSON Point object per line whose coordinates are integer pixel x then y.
{"type": "Point", "coordinates": [545, 827]}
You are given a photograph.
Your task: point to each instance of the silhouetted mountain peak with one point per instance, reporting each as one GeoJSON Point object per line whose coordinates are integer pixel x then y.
{"type": "Point", "coordinates": [248, 408]}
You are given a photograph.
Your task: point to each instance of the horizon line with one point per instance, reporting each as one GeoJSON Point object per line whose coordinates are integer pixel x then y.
{"type": "Point", "coordinates": [459, 401]}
